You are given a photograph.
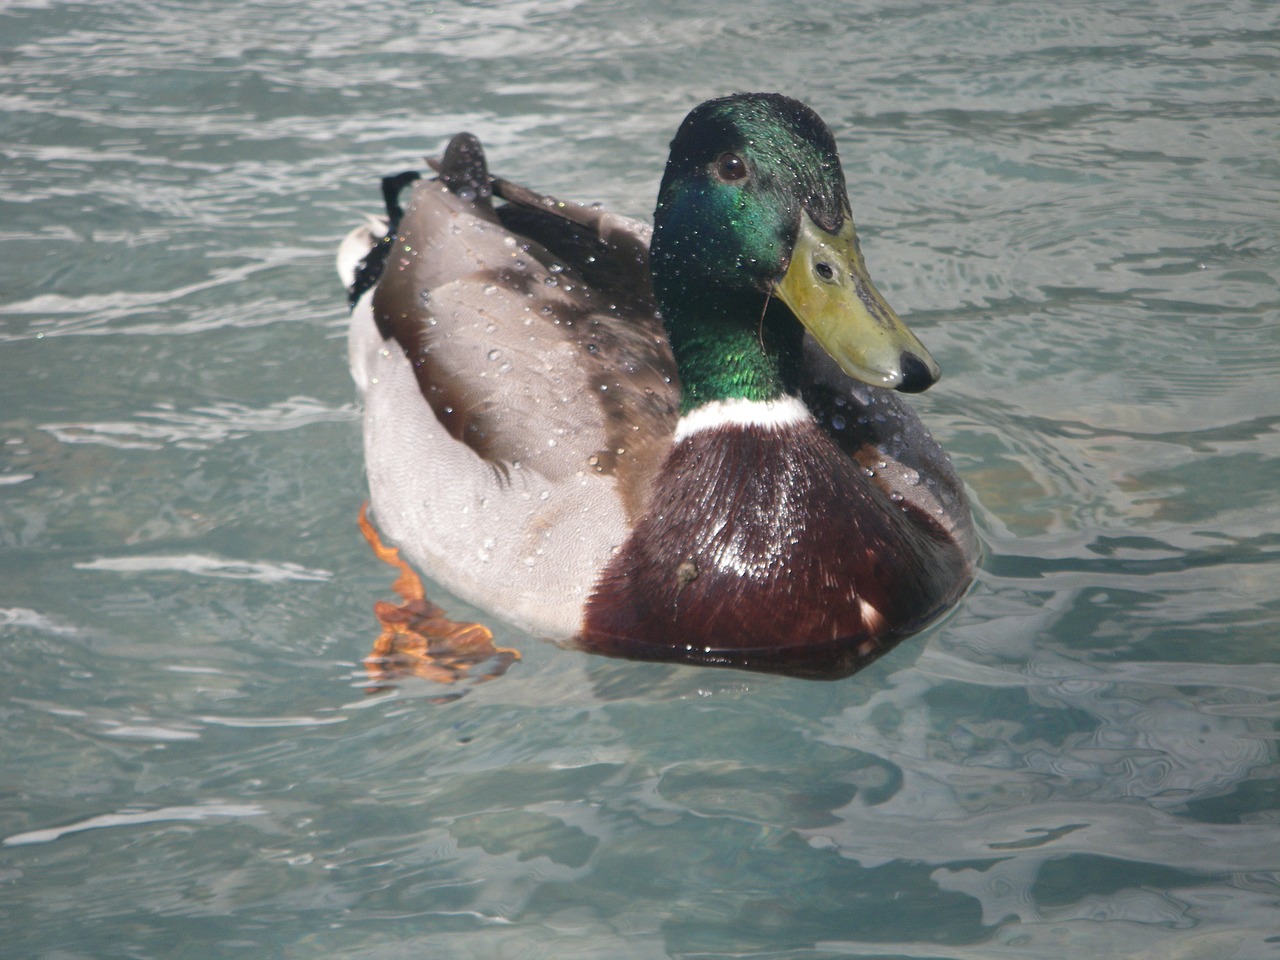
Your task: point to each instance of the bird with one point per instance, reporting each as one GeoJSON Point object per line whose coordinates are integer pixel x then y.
{"type": "Point", "coordinates": [683, 443]}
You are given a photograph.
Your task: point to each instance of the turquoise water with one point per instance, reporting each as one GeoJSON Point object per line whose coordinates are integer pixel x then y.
{"type": "Point", "coordinates": [1074, 204]}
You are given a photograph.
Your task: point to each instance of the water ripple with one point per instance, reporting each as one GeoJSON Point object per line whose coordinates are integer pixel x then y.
{"type": "Point", "coordinates": [206, 566]}
{"type": "Point", "coordinates": [128, 818]}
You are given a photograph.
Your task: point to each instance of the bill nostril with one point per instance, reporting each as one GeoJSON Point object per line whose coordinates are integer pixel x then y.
{"type": "Point", "coordinates": [916, 375]}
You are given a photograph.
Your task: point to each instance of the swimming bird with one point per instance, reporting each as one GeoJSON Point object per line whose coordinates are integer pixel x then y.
{"type": "Point", "coordinates": [684, 443]}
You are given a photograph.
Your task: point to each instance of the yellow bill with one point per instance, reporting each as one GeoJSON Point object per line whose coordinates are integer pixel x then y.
{"type": "Point", "coordinates": [828, 289]}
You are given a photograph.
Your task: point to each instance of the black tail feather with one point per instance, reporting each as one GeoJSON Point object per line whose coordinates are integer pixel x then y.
{"type": "Point", "coordinates": [370, 268]}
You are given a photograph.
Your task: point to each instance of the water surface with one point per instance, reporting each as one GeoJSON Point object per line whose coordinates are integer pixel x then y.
{"type": "Point", "coordinates": [1074, 205]}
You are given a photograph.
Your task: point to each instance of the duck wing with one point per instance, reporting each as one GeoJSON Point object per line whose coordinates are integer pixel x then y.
{"type": "Point", "coordinates": [531, 326]}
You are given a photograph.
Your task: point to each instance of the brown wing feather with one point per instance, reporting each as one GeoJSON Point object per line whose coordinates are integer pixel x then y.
{"type": "Point", "coordinates": [532, 330]}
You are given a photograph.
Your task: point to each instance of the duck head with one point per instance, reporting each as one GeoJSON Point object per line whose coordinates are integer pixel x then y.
{"type": "Point", "coordinates": [752, 232]}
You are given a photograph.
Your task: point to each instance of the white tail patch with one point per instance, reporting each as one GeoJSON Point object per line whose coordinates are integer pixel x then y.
{"type": "Point", "coordinates": [355, 247]}
{"type": "Point", "coordinates": [777, 414]}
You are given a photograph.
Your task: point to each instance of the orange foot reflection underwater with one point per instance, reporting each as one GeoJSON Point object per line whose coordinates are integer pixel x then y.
{"type": "Point", "coordinates": [417, 639]}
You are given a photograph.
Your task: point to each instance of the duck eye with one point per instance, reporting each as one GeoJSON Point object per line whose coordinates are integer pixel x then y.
{"type": "Point", "coordinates": [731, 168]}
{"type": "Point", "coordinates": [824, 271]}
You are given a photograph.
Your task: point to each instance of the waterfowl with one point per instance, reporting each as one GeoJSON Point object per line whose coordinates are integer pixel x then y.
{"type": "Point", "coordinates": [679, 444]}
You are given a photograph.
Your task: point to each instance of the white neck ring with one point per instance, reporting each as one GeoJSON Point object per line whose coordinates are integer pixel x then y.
{"type": "Point", "coordinates": [776, 414]}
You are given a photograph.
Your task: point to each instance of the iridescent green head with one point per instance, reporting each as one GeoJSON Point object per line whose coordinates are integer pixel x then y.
{"type": "Point", "coordinates": [753, 232]}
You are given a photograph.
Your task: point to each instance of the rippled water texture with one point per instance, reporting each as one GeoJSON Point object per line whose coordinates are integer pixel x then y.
{"type": "Point", "coordinates": [1075, 205]}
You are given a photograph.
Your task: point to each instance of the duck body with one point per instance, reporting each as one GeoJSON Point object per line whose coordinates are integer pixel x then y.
{"type": "Point", "coordinates": [628, 443]}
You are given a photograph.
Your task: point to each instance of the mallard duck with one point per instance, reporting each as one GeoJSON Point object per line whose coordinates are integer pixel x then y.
{"type": "Point", "coordinates": [678, 444]}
